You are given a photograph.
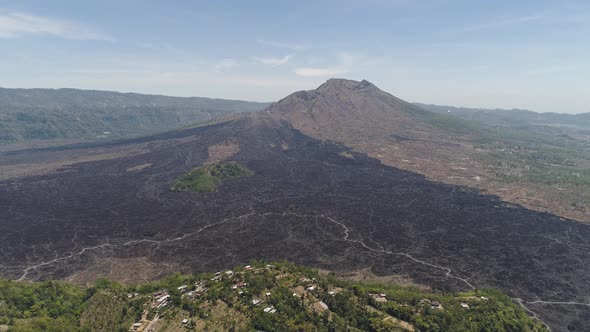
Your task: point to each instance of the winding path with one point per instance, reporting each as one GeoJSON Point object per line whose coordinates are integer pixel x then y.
{"type": "Point", "coordinates": [448, 272]}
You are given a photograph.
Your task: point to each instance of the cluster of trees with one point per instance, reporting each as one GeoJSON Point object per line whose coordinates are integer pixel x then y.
{"type": "Point", "coordinates": [47, 306]}
{"type": "Point", "coordinates": [207, 178]}
{"type": "Point", "coordinates": [537, 165]}
{"type": "Point", "coordinates": [58, 306]}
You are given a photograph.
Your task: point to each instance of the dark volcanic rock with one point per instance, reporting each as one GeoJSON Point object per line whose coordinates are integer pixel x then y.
{"type": "Point", "coordinates": [308, 201]}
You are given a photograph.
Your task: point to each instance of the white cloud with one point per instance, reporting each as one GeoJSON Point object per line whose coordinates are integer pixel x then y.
{"type": "Point", "coordinates": [226, 64]}
{"type": "Point", "coordinates": [13, 25]}
{"type": "Point", "coordinates": [504, 22]}
{"type": "Point", "coordinates": [290, 46]}
{"type": "Point", "coordinates": [273, 61]}
{"type": "Point", "coordinates": [317, 72]}
{"type": "Point", "coordinates": [345, 62]}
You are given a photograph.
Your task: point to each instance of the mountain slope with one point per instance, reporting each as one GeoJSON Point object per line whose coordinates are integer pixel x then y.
{"type": "Point", "coordinates": [33, 114]}
{"type": "Point", "coordinates": [340, 108]}
{"type": "Point", "coordinates": [308, 201]}
{"type": "Point", "coordinates": [541, 169]}
{"type": "Point", "coordinates": [107, 210]}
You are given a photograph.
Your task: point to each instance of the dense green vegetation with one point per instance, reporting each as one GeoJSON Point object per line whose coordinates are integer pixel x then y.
{"type": "Point", "coordinates": [207, 178]}
{"type": "Point", "coordinates": [540, 165]}
{"type": "Point", "coordinates": [214, 302]}
{"type": "Point", "coordinates": [46, 306]}
{"type": "Point", "coordinates": [514, 148]}
{"type": "Point", "coordinates": [58, 306]}
{"type": "Point", "coordinates": [33, 114]}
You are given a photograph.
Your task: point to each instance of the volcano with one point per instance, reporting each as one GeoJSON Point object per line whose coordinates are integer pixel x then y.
{"type": "Point", "coordinates": [315, 197]}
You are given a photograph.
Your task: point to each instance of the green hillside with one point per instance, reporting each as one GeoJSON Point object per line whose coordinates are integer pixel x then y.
{"type": "Point", "coordinates": [514, 117]}
{"type": "Point", "coordinates": [269, 297]}
{"type": "Point", "coordinates": [207, 178]}
{"type": "Point", "coordinates": [34, 114]}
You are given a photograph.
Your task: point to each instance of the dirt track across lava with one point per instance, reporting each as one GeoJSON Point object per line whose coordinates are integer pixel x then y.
{"type": "Point", "coordinates": [310, 202]}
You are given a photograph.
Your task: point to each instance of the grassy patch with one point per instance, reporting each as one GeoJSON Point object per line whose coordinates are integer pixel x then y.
{"type": "Point", "coordinates": [207, 178]}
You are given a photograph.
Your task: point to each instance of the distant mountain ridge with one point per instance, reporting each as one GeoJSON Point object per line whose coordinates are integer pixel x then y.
{"type": "Point", "coordinates": [342, 179]}
{"type": "Point", "coordinates": [512, 117]}
{"type": "Point", "coordinates": [62, 97]}
{"type": "Point", "coordinates": [32, 114]}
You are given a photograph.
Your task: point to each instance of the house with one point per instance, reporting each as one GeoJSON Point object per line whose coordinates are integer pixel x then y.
{"type": "Point", "coordinates": [268, 309]}
{"type": "Point", "coordinates": [248, 268]}
{"type": "Point", "coordinates": [229, 273]}
{"type": "Point", "coordinates": [267, 294]}
{"type": "Point", "coordinates": [464, 305]}
{"type": "Point", "coordinates": [299, 291]}
{"type": "Point", "coordinates": [240, 284]}
{"type": "Point", "coordinates": [200, 290]}
{"type": "Point", "coordinates": [182, 288]}
{"type": "Point", "coordinates": [163, 298]}
{"type": "Point", "coordinates": [160, 293]}
{"type": "Point", "coordinates": [380, 298]}
{"type": "Point", "coordinates": [185, 321]}
{"type": "Point", "coordinates": [135, 326]}
{"type": "Point", "coordinates": [337, 290]}
{"type": "Point", "coordinates": [256, 301]}
{"type": "Point", "coordinates": [436, 305]}
{"type": "Point", "coordinates": [320, 306]}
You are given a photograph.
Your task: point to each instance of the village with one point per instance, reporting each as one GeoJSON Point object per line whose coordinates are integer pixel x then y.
{"type": "Point", "coordinates": [307, 290]}
{"type": "Point", "coordinates": [266, 290]}
{"type": "Point", "coordinates": [280, 296]}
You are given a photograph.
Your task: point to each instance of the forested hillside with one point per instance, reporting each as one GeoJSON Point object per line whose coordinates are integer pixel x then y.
{"type": "Point", "coordinates": [269, 297]}
{"type": "Point", "coordinates": [33, 114]}
{"type": "Point", "coordinates": [513, 117]}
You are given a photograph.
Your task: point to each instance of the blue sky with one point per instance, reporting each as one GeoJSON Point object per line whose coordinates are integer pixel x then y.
{"type": "Point", "coordinates": [507, 54]}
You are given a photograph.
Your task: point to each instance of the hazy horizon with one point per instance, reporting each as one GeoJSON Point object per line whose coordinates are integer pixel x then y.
{"type": "Point", "coordinates": [272, 101]}
{"type": "Point", "coordinates": [528, 55]}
